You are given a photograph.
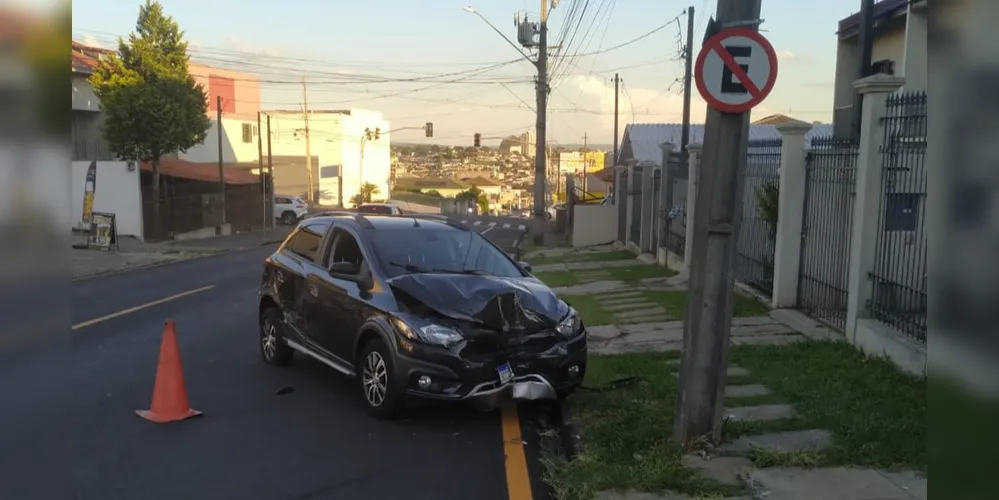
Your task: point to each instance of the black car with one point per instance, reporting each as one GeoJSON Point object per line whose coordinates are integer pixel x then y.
{"type": "Point", "coordinates": [417, 306]}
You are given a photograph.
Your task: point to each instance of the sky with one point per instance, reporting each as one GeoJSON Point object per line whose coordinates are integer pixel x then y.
{"type": "Point", "coordinates": [353, 54]}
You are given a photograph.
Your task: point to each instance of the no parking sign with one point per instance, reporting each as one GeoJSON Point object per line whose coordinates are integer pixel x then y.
{"type": "Point", "coordinates": [736, 70]}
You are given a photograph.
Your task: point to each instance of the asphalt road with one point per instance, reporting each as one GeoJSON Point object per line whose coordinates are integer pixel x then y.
{"type": "Point", "coordinates": [252, 443]}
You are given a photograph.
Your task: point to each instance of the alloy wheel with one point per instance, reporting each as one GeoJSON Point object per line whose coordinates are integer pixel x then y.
{"type": "Point", "coordinates": [269, 340]}
{"type": "Point", "coordinates": [375, 379]}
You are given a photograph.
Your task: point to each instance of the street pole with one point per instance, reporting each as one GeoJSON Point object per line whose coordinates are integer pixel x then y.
{"type": "Point", "coordinates": [688, 55]}
{"type": "Point", "coordinates": [866, 36]}
{"type": "Point", "coordinates": [540, 148]}
{"type": "Point", "coordinates": [270, 175]}
{"type": "Point", "coordinates": [260, 168]}
{"type": "Point", "coordinates": [617, 91]}
{"type": "Point", "coordinates": [718, 207]}
{"type": "Point", "coordinates": [218, 128]}
{"type": "Point", "coordinates": [586, 159]}
{"type": "Point", "coordinates": [308, 142]}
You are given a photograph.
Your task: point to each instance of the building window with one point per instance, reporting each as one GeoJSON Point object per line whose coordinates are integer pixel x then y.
{"type": "Point", "coordinates": [329, 171]}
{"type": "Point", "coordinates": [902, 211]}
{"type": "Point", "coordinates": [883, 67]}
{"type": "Point", "coordinates": [247, 132]}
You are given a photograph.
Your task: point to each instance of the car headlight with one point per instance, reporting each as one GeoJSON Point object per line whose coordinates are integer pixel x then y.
{"type": "Point", "coordinates": [569, 325]}
{"type": "Point", "coordinates": [429, 333]}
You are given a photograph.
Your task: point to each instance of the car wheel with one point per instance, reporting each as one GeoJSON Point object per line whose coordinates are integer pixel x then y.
{"type": "Point", "coordinates": [379, 391]}
{"type": "Point", "coordinates": [288, 218]}
{"type": "Point", "coordinates": [273, 349]}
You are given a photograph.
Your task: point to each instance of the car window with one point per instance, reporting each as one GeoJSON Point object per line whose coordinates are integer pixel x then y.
{"type": "Point", "coordinates": [441, 250]}
{"type": "Point", "coordinates": [307, 239]}
{"type": "Point", "coordinates": [345, 249]}
{"type": "Point", "coordinates": [280, 200]}
{"type": "Point", "coordinates": [375, 209]}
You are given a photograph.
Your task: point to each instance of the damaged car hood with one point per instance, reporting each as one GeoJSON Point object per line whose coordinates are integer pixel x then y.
{"type": "Point", "coordinates": [501, 304]}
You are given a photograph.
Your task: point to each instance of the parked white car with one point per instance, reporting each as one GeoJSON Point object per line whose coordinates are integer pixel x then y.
{"type": "Point", "coordinates": [289, 209]}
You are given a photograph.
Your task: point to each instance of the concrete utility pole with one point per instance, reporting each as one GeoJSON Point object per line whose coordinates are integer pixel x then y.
{"type": "Point", "coordinates": [688, 55]}
{"type": "Point", "coordinates": [617, 83]}
{"type": "Point", "coordinates": [260, 167]}
{"type": "Point", "coordinates": [700, 399]}
{"type": "Point", "coordinates": [218, 128]}
{"type": "Point", "coordinates": [540, 148]}
{"type": "Point", "coordinates": [308, 141]}
{"type": "Point", "coordinates": [270, 173]}
{"type": "Point", "coordinates": [586, 160]}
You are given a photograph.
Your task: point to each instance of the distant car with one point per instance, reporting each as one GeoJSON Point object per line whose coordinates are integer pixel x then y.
{"type": "Point", "coordinates": [379, 208]}
{"type": "Point", "coordinates": [290, 209]}
{"type": "Point", "coordinates": [417, 307]}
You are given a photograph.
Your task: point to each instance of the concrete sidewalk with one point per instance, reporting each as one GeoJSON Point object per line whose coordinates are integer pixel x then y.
{"type": "Point", "coordinates": [237, 241]}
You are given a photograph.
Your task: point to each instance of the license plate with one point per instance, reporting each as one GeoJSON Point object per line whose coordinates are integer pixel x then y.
{"type": "Point", "coordinates": [505, 373]}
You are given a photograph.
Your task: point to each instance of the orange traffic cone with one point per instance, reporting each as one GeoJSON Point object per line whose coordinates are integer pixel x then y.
{"type": "Point", "coordinates": [169, 392]}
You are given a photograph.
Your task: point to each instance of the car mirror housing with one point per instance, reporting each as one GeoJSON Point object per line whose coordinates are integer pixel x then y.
{"type": "Point", "coordinates": [525, 265]}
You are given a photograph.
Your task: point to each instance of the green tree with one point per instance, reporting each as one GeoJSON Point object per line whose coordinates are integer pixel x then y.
{"type": "Point", "coordinates": [476, 194]}
{"type": "Point", "coordinates": [767, 198]}
{"type": "Point", "coordinates": [368, 190]}
{"type": "Point", "coordinates": [153, 106]}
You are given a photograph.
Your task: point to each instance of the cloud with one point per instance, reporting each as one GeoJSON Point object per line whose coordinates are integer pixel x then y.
{"type": "Point", "coordinates": [787, 55]}
{"type": "Point", "coordinates": [250, 48]}
{"type": "Point", "coordinates": [90, 41]}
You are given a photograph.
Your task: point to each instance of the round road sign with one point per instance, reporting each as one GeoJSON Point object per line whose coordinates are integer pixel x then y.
{"type": "Point", "coordinates": [735, 70]}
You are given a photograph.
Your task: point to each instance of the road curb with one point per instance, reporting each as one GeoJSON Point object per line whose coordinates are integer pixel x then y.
{"type": "Point", "coordinates": [162, 264]}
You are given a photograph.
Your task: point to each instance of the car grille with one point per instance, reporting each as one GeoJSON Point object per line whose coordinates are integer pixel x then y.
{"type": "Point", "coordinates": [483, 345]}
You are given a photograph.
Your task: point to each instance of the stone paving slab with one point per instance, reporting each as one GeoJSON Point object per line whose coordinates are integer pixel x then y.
{"type": "Point", "coordinates": [725, 470]}
{"type": "Point", "coordinates": [732, 371]}
{"type": "Point", "coordinates": [668, 335]}
{"type": "Point", "coordinates": [634, 313]}
{"type": "Point", "coordinates": [789, 441]}
{"type": "Point", "coordinates": [837, 483]}
{"type": "Point", "coordinates": [746, 391]}
{"type": "Point", "coordinates": [626, 305]}
{"type": "Point", "coordinates": [760, 413]}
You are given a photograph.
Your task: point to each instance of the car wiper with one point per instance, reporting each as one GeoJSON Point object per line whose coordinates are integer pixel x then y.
{"type": "Point", "coordinates": [413, 268]}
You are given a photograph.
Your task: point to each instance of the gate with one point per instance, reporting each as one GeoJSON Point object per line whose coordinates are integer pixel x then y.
{"type": "Point", "coordinates": [635, 194]}
{"type": "Point", "coordinates": [757, 230]}
{"type": "Point", "coordinates": [823, 273]}
{"type": "Point", "coordinates": [675, 209]}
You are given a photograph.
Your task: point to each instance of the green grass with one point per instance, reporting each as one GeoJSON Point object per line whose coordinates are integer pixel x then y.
{"type": "Point", "coordinates": [556, 278]}
{"type": "Point", "coordinates": [675, 303]}
{"type": "Point", "coordinates": [542, 260]}
{"type": "Point", "coordinates": [622, 273]}
{"type": "Point", "coordinates": [876, 414]}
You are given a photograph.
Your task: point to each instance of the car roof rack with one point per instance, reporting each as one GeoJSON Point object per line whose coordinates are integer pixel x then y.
{"type": "Point", "coordinates": [359, 218]}
{"type": "Point", "coordinates": [437, 217]}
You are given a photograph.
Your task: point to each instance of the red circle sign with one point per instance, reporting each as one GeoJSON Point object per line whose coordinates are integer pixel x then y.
{"type": "Point", "coordinates": [735, 70]}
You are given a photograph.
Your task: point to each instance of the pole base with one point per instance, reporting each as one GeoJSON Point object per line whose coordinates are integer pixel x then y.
{"type": "Point", "coordinates": [161, 418]}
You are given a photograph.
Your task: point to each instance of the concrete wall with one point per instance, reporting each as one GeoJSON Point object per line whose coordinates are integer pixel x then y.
{"type": "Point", "coordinates": [84, 98]}
{"type": "Point", "coordinates": [245, 90]}
{"type": "Point", "coordinates": [233, 147]}
{"type": "Point", "coordinates": [594, 225]}
{"type": "Point", "coordinates": [117, 192]}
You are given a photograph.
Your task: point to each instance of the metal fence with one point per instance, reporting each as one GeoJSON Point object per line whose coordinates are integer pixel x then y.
{"type": "Point", "coordinates": [675, 206]}
{"type": "Point", "coordinates": [899, 275]}
{"type": "Point", "coordinates": [754, 263]}
{"type": "Point", "coordinates": [830, 190]}
{"type": "Point", "coordinates": [657, 215]}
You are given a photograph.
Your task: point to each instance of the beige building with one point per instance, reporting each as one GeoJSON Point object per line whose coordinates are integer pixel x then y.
{"type": "Point", "coordinates": [899, 48]}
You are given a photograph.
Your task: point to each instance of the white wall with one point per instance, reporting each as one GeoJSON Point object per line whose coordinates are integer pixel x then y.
{"type": "Point", "coordinates": [377, 155]}
{"type": "Point", "coordinates": [84, 98]}
{"type": "Point", "coordinates": [233, 147]}
{"type": "Point", "coordinates": [594, 225]}
{"type": "Point", "coordinates": [117, 192]}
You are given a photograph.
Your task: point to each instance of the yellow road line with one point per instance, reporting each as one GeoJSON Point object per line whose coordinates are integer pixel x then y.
{"type": "Point", "coordinates": [518, 480]}
{"type": "Point", "coordinates": [131, 310]}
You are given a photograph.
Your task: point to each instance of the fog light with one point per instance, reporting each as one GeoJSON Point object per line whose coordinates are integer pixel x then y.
{"type": "Point", "coordinates": [573, 370]}
{"type": "Point", "coordinates": [423, 381]}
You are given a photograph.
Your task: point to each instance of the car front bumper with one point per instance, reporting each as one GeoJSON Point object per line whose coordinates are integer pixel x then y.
{"type": "Point", "coordinates": [456, 375]}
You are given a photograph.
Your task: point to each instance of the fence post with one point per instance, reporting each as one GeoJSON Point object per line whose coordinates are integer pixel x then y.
{"type": "Point", "coordinates": [867, 203]}
{"type": "Point", "coordinates": [665, 195]}
{"type": "Point", "coordinates": [693, 179]}
{"type": "Point", "coordinates": [647, 216]}
{"type": "Point", "coordinates": [790, 213]}
{"type": "Point", "coordinates": [621, 199]}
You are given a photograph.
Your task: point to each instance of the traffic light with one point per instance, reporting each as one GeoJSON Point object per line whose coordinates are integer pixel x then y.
{"type": "Point", "coordinates": [478, 140]}
{"type": "Point", "coordinates": [378, 132]}
{"type": "Point", "coordinates": [429, 129]}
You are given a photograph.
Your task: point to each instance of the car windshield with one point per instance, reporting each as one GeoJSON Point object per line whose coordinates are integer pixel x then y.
{"type": "Point", "coordinates": [421, 250]}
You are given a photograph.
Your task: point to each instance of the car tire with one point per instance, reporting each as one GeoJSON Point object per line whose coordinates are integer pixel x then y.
{"type": "Point", "coordinates": [381, 395]}
{"type": "Point", "coordinates": [273, 349]}
{"type": "Point", "coordinates": [289, 218]}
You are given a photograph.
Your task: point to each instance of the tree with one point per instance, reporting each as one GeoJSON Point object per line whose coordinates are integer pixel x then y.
{"type": "Point", "coordinates": [476, 194]}
{"type": "Point", "coordinates": [153, 106]}
{"type": "Point", "coordinates": [364, 195]}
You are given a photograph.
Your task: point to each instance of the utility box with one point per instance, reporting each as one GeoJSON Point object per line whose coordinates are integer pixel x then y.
{"type": "Point", "coordinates": [525, 33]}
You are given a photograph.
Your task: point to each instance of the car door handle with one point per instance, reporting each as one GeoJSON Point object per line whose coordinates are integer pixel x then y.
{"type": "Point", "coordinates": [313, 291]}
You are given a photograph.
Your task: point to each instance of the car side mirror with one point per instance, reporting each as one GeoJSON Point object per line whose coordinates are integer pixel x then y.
{"type": "Point", "coordinates": [525, 265]}
{"type": "Point", "coordinates": [344, 270]}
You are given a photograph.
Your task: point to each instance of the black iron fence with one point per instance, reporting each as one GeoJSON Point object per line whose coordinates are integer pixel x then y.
{"type": "Point", "coordinates": [899, 274]}
{"type": "Point", "coordinates": [635, 194]}
{"type": "Point", "coordinates": [754, 263]}
{"type": "Point", "coordinates": [830, 191]}
{"type": "Point", "coordinates": [675, 231]}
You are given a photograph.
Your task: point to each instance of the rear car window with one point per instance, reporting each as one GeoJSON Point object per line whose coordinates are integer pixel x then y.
{"type": "Point", "coordinates": [375, 209]}
{"type": "Point", "coordinates": [305, 242]}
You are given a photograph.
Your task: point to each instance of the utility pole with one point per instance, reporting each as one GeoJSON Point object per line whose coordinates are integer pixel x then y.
{"type": "Point", "coordinates": [260, 167]}
{"type": "Point", "coordinates": [540, 148]}
{"type": "Point", "coordinates": [270, 175]}
{"type": "Point", "coordinates": [308, 141]}
{"type": "Point", "coordinates": [866, 36]}
{"type": "Point", "coordinates": [617, 91]}
{"type": "Point", "coordinates": [586, 160]}
{"type": "Point", "coordinates": [218, 128]}
{"type": "Point", "coordinates": [700, 399]}
{"type": "Point", "coordinates": [688, 55]}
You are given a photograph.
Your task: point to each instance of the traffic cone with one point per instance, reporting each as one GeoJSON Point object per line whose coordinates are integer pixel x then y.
{"type": "Point", "coordinates": [169, 392]}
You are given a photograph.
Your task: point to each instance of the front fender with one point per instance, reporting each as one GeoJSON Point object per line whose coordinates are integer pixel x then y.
{"type": "Point", "coordinates": [382, 328]}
